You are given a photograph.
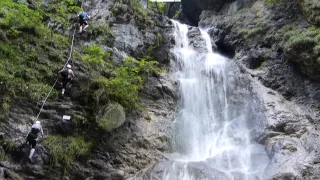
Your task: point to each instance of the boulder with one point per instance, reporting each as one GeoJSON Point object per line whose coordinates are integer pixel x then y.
{"type": "Point", "coordinates": [111, 116]}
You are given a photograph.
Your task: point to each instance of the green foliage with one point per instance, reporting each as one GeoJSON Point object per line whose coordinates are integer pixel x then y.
{"type": "Point", "coordinates": [140, 14]}
{"type": "Point", "coordinates": [158, 7]}
{"type": "Point", "coordinates": [30, 53]}
{"type": "Point", "coordinates": [159, 38]}
{"type": "Point", "coordinates": [311, 10]}
{"type": "Point", "coordinates": [254, 32]}
{"type": "Point", "coordinates": [65, 150]}
{"type": "Point", "coordinates": [177, 14]}
{"type": "Point", "coordinates": [151, 48]}
{"type": "Point", "coordinates": [316, 50]}
{"type": "Point", "coordinates": [127, 80]}
{"type": "Point", "coordinates": [17, 18]}
{"type": "Point", "coordinates": [59, 11]}
{"type": "Point", "coordinates": [102, 32]}
{"type": "Point", "coordinates": [95, 56]}
{"type": "Point", "coordinates": [243, 10]}
{"type": "Point", "coordinates": [302, 40]}
{"type": "Point", "coordinates": [148, 118]}
{"type": "Point", "coordinates": [272, 2]}
{"type": "Point", "coordinates": [303, 47]}
{"type": "Point", "coordinates": [8, 145]}
{"type": "Point", "coordinates": [110, 81]}
{"type": "Point", "coordinates": [134, 9]}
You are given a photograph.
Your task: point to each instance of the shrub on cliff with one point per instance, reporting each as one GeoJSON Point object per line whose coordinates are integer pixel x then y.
{"type": "Point", "coordinates": [303, 47]}
{"type": "Point", "coordinates": [135, 11]}
{"type": "Point", "coordinates": [111, 81]}
{"type": "Point", "coordinates": [65, 150]}
{"type": "Point", "coordinates": [29, 54]}
{"type": "Point", "coordinates": [311, 10]}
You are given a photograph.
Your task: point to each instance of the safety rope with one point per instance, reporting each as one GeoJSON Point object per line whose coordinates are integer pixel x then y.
{"type": "Point", "coordinates": [69, 58]}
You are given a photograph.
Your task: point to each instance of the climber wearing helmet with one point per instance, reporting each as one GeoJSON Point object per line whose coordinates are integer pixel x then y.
{"type": "Point", "coordinates": [67, 75]}
{"type": "Point", "coordinates": [32, 137]}
{"type": "Point", "coordinates": [82, 21]}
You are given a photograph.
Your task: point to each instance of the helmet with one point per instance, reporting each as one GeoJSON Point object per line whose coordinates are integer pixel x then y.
{"type": "Point", "coordinates": [69, 66]}
{"type": "Point", "coordinates": [37, 122]}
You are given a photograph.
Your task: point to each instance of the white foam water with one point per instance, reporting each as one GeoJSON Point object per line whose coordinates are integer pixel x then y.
{"type": "Point", "coordinates": [207, 127]}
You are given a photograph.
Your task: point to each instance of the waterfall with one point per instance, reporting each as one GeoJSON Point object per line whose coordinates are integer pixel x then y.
{"type": "Point", "coordinates": [216, 119]}
{"type": "Point", "coordinates": [207, 128]}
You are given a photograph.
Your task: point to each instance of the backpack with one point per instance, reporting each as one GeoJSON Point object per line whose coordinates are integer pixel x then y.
{"type": "Point", "coordinates": [65, 73]}
{"type": "Point", "coordinates": [35, 130]}
{"type": "Point", "coordinates": [32, 136]}
{"type": "Point", "coordinates": [82, 16]}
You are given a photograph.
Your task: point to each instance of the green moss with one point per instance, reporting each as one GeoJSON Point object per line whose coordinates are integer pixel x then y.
{"type": "Point", "coordinates": [127, 80]}
{"type": "Point", "coordinates": [316, 50]}
{"type": "Point", "coordinates": [111, 116]}
{"type": "Point", "coordinates": [152, 47]}
{"type": "Point", "coordinates": [65, 150]}
{"type": "Point", "coordinates": [8, 145]}
{"type": "Point", "coordinates": [103, 31]}
{"type": "Point", "coordinates": [109, 81]}
{"type": "Point", "coordinates": [30, 53]}
{"type": "Point", "coordinates": [252, 33]}
{"type": "Point", "coordinates": [270, 2]}
{"type": "Point", "coordinates": [243, 10]}
{"type": "Point", "coordinates": [311, 10]}
{"type": "Point", "coordinates": [159, 38]}
{"type": "Point", "coordinates": [302, 40]}
{"type": "Point", "coordinates": [115, 11]}
{"type": "Point", "coordinates": [177, 14]}
{"type": "Point", "coordinates": [158, 7]}
{"type": "Point", "coordinates": [303, 47]}
{"type": "Point", "coordinates": [148, 118]}
{"type": "Point", "coordinates": [95, 56]}
{"type": "Point", "coordinates": [11, 175]}
{"type": "Point", "coordinates": [135, 10]}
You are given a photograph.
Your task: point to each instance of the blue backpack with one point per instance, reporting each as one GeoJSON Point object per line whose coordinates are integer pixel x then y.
{"type": "Point", "coordinates": [83, 16]}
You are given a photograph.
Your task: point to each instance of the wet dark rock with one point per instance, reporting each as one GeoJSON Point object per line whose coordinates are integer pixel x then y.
{"type": "Point", "coordinates": [137, 140]}
{"type": "Point", "coordinates": [251, 33]}
{"type": "Point", "coordinates": [193, 8]}
{"type": "Point", "coordinates": [197, 169]}
{"type": "Point", "coordinates": [99, 164]}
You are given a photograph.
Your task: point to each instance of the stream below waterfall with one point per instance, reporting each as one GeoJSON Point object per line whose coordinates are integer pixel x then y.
{"type": "Point", "coordinates": [216, 119]}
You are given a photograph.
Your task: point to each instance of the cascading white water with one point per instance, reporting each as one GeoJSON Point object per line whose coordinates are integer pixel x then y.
{"type": "Point", "coordinates": [208, 128]}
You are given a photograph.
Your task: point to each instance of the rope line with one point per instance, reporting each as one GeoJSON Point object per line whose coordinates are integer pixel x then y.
{"type": "Point", "coordinates": [69, 58]}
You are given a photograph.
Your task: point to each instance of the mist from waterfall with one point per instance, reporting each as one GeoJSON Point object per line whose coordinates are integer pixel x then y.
{"type": "Point", "coordinates": [211, 126]}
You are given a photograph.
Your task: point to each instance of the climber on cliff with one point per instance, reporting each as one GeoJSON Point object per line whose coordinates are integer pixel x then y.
{"type": "Point", "coordinates": [32, 137]}
{"type": "Point", "coordinates": [82, 21]}
{"type": "Point", "coordinates": [67, 75]}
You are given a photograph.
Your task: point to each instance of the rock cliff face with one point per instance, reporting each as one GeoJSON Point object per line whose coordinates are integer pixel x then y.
{"type": "Point", "coordinates": [275, 43]}
{"type": "Point", "coordinates": [137, 139]}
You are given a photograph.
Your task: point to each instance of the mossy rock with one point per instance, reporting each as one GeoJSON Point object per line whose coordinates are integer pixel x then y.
{"type": "Point", "coordinates": [11, 175]}
{"type": "Point", "coordinates": [65, 150]}
{"type": "Point", "coordinates": [302, 46]}
{"type": "Point", "coordinates": [311, 10]}
{"type": "Point", "coordinates": [111, 116]}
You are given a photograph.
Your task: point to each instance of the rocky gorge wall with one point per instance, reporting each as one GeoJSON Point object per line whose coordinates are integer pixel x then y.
{"type": "Point", "coordinates": [275, 43]}
{"type": "Point", "coordinates": [134, 140]}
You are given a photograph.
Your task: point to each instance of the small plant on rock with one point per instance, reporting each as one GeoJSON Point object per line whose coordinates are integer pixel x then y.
{"type": "Point", "coordinates": [65, 150]}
